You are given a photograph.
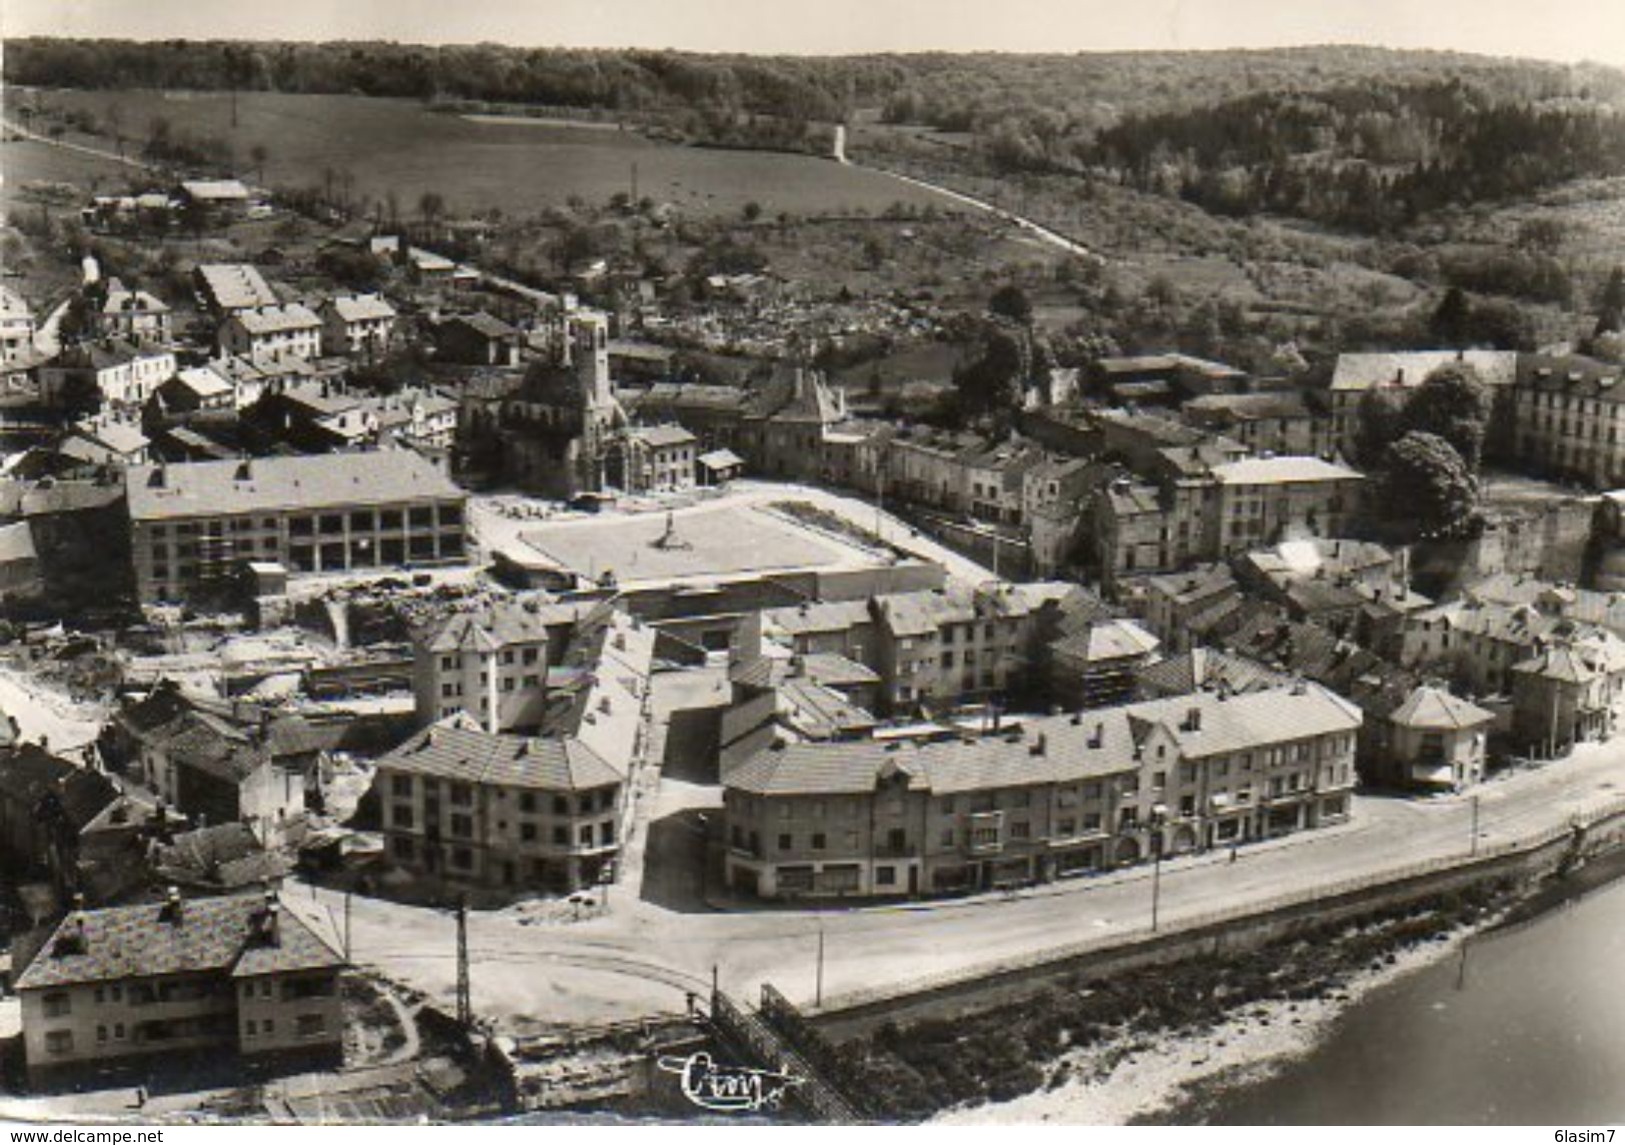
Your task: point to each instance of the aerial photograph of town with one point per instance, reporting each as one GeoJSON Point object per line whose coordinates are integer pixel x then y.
{"type": "Point", "coordinates": [695, 562]}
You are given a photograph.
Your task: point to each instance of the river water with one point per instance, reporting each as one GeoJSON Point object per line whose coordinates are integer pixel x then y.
{"type": "Point", "coordinates": [1528, 1028]}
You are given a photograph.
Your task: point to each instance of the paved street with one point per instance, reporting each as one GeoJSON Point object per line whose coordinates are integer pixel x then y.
{"type": "Point", "coordinates": [658, 939]}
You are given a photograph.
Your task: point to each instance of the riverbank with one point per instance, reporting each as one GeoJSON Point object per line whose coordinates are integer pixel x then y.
{"type": "Point", "coordinates": [1130, 1047]}
{"type": "Point", "coordinates": [1136, 1080]}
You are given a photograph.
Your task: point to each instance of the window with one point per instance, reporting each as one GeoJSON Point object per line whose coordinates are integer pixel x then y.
{"type": "Point", "coordinates": [885, 876]}
{"type": "Point", "coordinates": [403, 815]}
{"type": "Point", "coordinates": [561, 836]}
{"type": "Point", "coordinates": [818, 841]}
{"type": "Point", "coordinates": [270, 1026]}
{"type": "Point", "coordinates": [785, 842]}
{"type": "Point", "coordinates": [584, 836]}
{"type": "Point", "coordinates": [527, 832]}
{"type": "Point", "coordinates": [251, 1028]}
{"type": "Point", "coordinates": [462, 794]}
{"type": "Point", "coordinates": [401, 785]}
{"type": "Point", "coordinates": [59, 1042]}
{"type": "Point", "coordinates": [462, 858]}
{"type": "Point", "coordinates": [462, 826]}
{"type": "Point", "coordinates": [58, 1004]}
{"type": "Point", "coordinates": [1022, 830]}
{"type": "Point", "coordinates": [101, 1033]}
{"type": "Point", "coordinates": [309, 1025]}
{"type": "Point", "coordinates": [561, 805]}
{"type": "Point", "coordinates": [527, 802]}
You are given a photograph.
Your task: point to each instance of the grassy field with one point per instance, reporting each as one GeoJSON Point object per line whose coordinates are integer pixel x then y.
{"type": "Point", "coordinates": [519, 166]}
{"type": "Point", "coordinates": [23, 162]}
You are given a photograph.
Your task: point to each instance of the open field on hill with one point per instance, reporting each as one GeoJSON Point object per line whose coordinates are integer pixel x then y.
{"type": "Point", "coordinates": [24, 162]}
{"type": "Point", "coordinates": [401, 146]}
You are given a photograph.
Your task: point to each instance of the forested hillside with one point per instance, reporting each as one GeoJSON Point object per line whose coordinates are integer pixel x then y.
{"type": "Point", "coordinates": [1363, 139]}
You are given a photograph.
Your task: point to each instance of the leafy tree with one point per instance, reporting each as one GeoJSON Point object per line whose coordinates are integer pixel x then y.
{"type": "Point", "coordinates": [1451, 320]}
{"type": "Point", "coordinates": [1010, 301]}
{"type": "Point", "coordinates": [1379, 422]}
{"type": "Point", "coordinates": [1454, 404]}
{"type": "Point", "coordinates": [1427, 485]}
{"type": "Point", "coordinates": [991, 381]}
{"type": "Point", "coordinates": [1611, 304]}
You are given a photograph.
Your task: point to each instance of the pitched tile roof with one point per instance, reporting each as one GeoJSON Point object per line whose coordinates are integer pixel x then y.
{"type": "Point", "coordinates": [1411, 368]}
{"type": "Point", "coordinates": [236, 285]}
{"type": "Point", "coordinates": [1432, 707]}
{"type": "Point", "coordinates": [1053, 749]}
{"type": "Point", "coordinates": [213, 934]}
{"type": "Point", "coordinates": [361, 307]}
{"type": "Point", "coordinates": [278, 319]}
{"type": "Point", "coordinates": [456, 748]}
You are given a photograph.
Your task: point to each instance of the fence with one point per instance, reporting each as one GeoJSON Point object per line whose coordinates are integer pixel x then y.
{"type": "Point", "coordinates": [1485, 862]}
{"type": "Point", "coordinates": [749, 1033]}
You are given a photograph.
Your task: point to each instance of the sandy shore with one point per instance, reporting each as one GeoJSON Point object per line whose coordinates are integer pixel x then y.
{"type": "Point", "coordinates": [1151, 1075]}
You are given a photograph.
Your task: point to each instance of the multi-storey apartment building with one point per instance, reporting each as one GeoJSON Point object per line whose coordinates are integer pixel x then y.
{"type": "Point", "coordinates": [272, 332]}
{"type": "Point", "coordinates": [1261, 501]}
{"type": "Point", "coordinates": [469, 805]}
{"type": "Point", "coordinates": [1355, 375]}
{"type": "Point", "coordinates": [503, 810]}
{"type": "Point", "coordinates": [491, 663]}
{"type": "Point", "coordinates": [356, 324]}
{"type": "Point", "coordinates": [942, 645]}
{"type": "Point", "coordinates": [194, 526]}
{"type": "Point", "coordinates": [1054, 796]}
{"type": "Point", "coordinates": [1569, 419]}
{"type": "Point", "coordinates": [240, 974]}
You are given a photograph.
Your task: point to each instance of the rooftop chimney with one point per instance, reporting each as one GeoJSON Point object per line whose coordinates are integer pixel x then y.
{"type": "Point", "coordinates": [174, 909]}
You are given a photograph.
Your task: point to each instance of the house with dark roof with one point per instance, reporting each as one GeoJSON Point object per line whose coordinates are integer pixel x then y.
{"type": "Point", "coordinates": [239, 974]}
{"type": "Point", "coordinates": [477, 339]}
{"type": "Point", "coordinates": [213, 762]}
{"type": "Point", "coordinates": [67, 823]}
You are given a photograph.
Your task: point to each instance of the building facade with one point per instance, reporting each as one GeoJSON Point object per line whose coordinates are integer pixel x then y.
{"type": "Point", "coordinates": [240, 974]}
{"type": "Point", "coordinates": [194, 526]}
{"type": "Point", "coordinates": [1051, 797]}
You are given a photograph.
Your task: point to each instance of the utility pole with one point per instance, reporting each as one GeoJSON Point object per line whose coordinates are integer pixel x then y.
{"type": "Point", "coordinates": [465, 1005]}
{"type": "Point", "coordinates": [1474, 851]}
{"type": "Point", "coordinates": [818, 992]}
{"type": "Point", "coordinates": [348, 894]}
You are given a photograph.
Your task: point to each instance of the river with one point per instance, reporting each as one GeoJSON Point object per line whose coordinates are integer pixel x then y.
{"type": "Point", "coordinates": [1526, 1028]}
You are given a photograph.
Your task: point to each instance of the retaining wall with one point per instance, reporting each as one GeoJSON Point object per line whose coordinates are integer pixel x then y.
{"type": "Point", "coordinates": [1599, 833]}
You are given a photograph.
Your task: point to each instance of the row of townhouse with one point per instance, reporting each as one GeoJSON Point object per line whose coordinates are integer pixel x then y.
{"type": "Point", "coordinates": [1204, 511]}
{"type": "Point", "coordinates": [1565, 677]}
{"type": "Point", "coordinates": [471, 805]}
{"type": "Point", "coordinates": [1048, 797]}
